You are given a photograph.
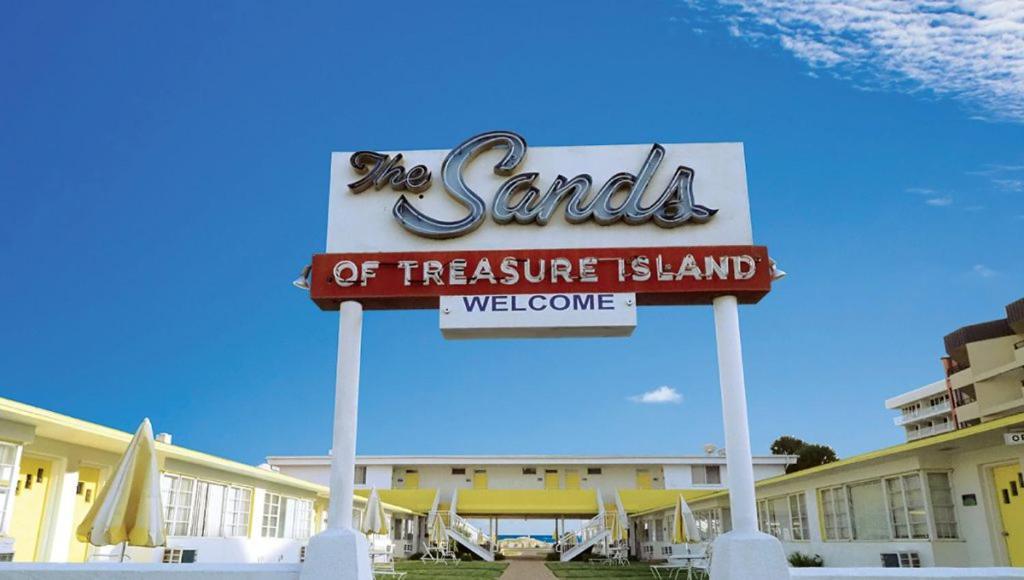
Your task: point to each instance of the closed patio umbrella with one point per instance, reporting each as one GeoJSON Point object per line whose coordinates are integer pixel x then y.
{"type": "Point", "coordinates": [684, 526]}
{"type": "Point", "coordinates": [375, 521]}
{"type": "Point", "coordinates": [128, 509]}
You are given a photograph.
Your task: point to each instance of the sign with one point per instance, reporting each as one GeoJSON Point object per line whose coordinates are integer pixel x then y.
{"type": "Point", "coordinates": [1014, 438]}
{"type": "Point", "coordinates": [537, 315]}
{"type": "Point", "coordinates": [669, 223]}
{"type": "Point", "coordinates": [656, 275]}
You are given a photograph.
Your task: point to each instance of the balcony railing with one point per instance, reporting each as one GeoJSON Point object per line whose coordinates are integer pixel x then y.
{"type": "Point", "coordinates": [922, 413]}
{"type": "Point", "coordinates": [930, 430]}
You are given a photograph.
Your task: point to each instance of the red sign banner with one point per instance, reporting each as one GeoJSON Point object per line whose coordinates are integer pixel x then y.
{"type": "Point", "coordinates": [658, 276]}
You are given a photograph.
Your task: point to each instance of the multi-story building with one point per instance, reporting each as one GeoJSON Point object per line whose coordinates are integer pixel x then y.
{"type": "Point", "coordinates": [475, 493]}
{"type": "Point", "coordinates": [984, 379]}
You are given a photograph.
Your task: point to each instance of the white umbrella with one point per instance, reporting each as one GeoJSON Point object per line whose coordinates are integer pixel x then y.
{"type": "Point", "coordinates": [128, 509]}
{"type": "Point", "coordinates": [684, 526]}
{"type": "Point", "coordinates": [375, 521]}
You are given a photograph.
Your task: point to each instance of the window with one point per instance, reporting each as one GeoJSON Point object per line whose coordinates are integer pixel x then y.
{"type": "Point", "coordinates": [798, 517]}
{"type": "Point", "coordinates": [712, 522]}
{"type": "Point", "coordinates": [943, 511]}
{"type": "Point", "coordinates": [360, 475]}
{"type": "Point", "coordinates": [868, 512]}
{"type": "Point", "coordinates": [767, 518]}
{"type": "Point", "coordinates": [529, 471]}
{"type": "Point", "coordinates": [194, 507]}
{"type": "Point", "coordinates": [892, 508]}
{"type": "Point", "coordinates": [237, 505]}
{"type": "Point", "coordinates": [458, 471]}
{"type": "Point", "coordinates": [8, 457]}
{"type": "Point", "coordinates": [659, 530]}
{"type": "Point", "coordinates": [706, 474]}
{"type": "Point", "coordinates": [907, 511]}
{"type": "Point", "coordinates": [287, 517]}
{"type": "Point", "coordinates": [593, 471]}
{"type": "Point", "coordinates": [271, 515]}
{"type": "Point", "coordinates": [178, 493]}
{"type": "Point", "coordinates": [835, 512]}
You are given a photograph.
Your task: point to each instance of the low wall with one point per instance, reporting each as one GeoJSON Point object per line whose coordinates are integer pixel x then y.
{"type": "Point", "coordinates": [128, 571]}
{"type": "Point", "coordinates": [915, 573]}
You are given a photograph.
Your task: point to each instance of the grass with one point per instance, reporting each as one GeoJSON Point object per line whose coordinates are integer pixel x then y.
{"type": "Point", "coordinates": [464, 570]}
{"type": "Point", "coordinates": [584, 570]}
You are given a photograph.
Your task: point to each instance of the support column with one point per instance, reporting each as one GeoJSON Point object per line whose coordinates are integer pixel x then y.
{"type": "Point", "coordinates": [340, 552]}
{"type": "Point", "coordinates": [744, 552]}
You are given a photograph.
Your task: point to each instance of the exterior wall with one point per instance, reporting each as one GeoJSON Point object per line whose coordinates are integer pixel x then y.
{"type": "Point", "coordinates": [511, 477]}
{"type": "Point", "coordinates": [980, 541]}
{"type": "Point", "coordinates": [379, 476]}
{"type": "Point", "coordinates": [57, 528]}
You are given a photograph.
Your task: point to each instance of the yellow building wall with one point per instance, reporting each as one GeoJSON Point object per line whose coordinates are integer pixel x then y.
{"type": "Point", "coordinates": [29, 506]}
{"type": "Point", "coordinates": [85, 497]}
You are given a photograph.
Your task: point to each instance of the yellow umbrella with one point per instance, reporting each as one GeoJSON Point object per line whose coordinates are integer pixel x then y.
{"type": "Point", "coordinates": [375, 521]}
{"type": "Point", "coordinates": [128, 509]}
{"type": "Point", "coordinates": [684, 526]}
{"type": "Point", "coordinates": [619, 532]}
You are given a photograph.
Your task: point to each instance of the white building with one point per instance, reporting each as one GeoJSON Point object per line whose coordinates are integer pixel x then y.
{"type": "Point", "coordinates": [984, 368]}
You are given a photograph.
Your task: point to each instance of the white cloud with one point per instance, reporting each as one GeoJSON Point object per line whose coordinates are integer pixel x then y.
{"type": "Point", "coordinates": [972, 50]}
{"type": "Point", "coordinates": [983, 271]}
{"type": "Point", "coordinates": [661, 395]}
{"type": "Point", "coordinates": [1015, 185]}
{"type": "Point", "coordinates": [941, 201]}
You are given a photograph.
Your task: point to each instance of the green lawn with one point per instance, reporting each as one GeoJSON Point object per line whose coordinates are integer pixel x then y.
{"type": "Point", "coordinates": [464, 570]}
{"type": "Point", "coordinates": [584, 570]}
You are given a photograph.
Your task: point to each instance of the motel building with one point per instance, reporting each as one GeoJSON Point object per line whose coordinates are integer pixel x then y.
{"type": "Point", "coordinates": [569, 492]}
{"type": "Point", "coordinates": [216, 511]}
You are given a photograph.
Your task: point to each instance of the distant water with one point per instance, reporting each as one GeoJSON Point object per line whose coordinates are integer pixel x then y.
{"type": "Point", "coordinates": [541, 537]}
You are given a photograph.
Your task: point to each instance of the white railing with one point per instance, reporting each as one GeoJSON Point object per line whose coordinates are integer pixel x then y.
{"type": "Point", "coordinates": [922, 413]}
{"type": "Point", "coordinates": [929, 431]}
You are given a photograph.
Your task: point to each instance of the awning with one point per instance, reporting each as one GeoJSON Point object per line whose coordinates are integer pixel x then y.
{"type": "Point", "coordinates": [418, 501]}
{"type": "Point", "coordinates": [636, 501]}
{"type": "Point", "coordinates": [580, 503]}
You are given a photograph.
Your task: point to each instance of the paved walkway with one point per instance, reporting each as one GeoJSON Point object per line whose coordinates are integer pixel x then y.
{"type": "Point", "coordinates": [527, 570]}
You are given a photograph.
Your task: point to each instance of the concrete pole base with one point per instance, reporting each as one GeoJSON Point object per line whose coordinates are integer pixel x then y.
{"type": "Point", "coordinates": [747, 555]}
{"type": "Point", "coordinates": [337, 554]}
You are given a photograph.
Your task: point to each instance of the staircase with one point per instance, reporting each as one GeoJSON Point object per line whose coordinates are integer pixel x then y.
{"type": "Point", "coordinates": [467, 535]}
{"type": "Point", "coordinates": [573, 544]}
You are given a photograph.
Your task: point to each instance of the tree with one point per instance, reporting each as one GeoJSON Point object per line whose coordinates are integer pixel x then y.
{"type": "Point", "coordinates": [808, 454]}
{"type": "Point", "coordinates": [787, 445]}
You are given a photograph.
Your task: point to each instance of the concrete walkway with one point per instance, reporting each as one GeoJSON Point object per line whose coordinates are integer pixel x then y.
{"type": "Point", "coordinates": [527, 570]}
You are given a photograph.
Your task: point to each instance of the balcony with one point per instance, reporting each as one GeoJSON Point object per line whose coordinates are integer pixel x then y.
{"type": "Point", "coordinates": [922, 413]}
{"type": "Point", "coordinates": [929, 431]}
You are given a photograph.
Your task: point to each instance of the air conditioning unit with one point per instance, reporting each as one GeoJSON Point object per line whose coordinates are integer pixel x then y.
{"type": "Point", "coordinates": [901, 560]}
{"type": "Point", "coordinates": [6, 548]}
{"type": "Point", "coordinates": [179, 556]}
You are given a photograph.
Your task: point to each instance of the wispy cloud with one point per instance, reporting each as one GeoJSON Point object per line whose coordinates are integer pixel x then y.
{"type": "Point", "coordinates": [940, 201]}
{"type": "Point", "coordinates": [662, 395]}
{"type": "Point", "coordinates": [983, 271]}
{"type": "Point", "coordinates": [971, 50]}
{"type": "Point", "coordinates": [1014, 185]}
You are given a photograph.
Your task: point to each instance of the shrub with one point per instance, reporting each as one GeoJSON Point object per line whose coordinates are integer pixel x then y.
{"type": "Point", "coordinates": [799, 560]}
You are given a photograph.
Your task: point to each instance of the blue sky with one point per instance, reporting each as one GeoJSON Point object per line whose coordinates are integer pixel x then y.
{"type": "Point", "coordinates": [164, 172]}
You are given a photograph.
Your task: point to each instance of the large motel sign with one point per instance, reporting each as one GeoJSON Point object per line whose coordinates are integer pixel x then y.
{"type": "Point", "coordinates": [529, 234]}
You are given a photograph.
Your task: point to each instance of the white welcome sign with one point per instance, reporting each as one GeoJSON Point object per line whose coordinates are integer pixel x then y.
{"type": "Point", "coordinates": [538, 315]}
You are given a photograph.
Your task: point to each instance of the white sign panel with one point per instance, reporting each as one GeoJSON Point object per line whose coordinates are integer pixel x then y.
{"type": "Point", "coordinates": [1015, 438]}
{"type": "Point", "coordinates": [538, 315]}
{"type": "Point", "coordinates": [493, 192]}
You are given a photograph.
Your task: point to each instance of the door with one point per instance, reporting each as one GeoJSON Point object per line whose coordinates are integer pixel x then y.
{"type": "Point", "coordinates": [643, 479]}
{"type": "Point", "coordinates": [479, 479]}
{"type": "Point", "coordinates": [551, 479]}
{"type": "Point", "coordinates": [572, 479]}
{"type": "Point", "coordinates": [412, 479]}
{"type": "Point", "coordinates": [29, 506]}
{"type": "Point", "coordinates": [85, 495]}
{"type": "Point", "coordinates": [1010, 497]}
